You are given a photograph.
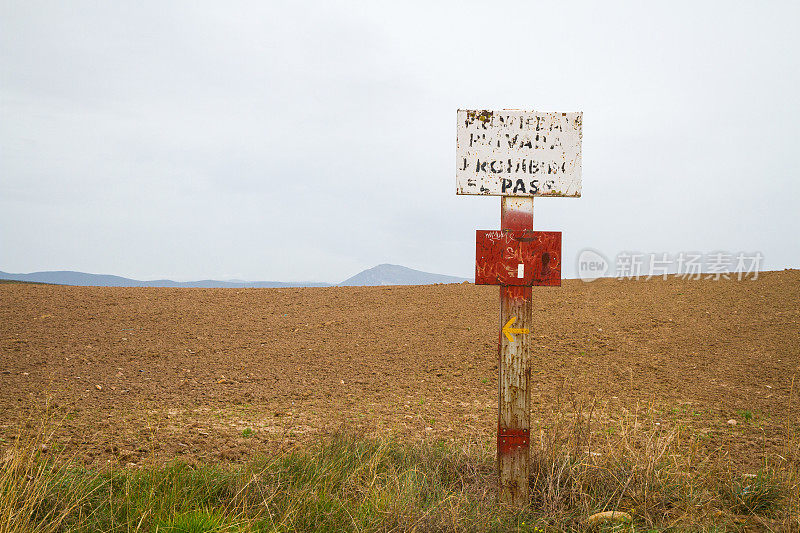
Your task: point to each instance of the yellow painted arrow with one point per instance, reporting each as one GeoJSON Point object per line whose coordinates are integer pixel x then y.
{"type": "Point", "coordinates": [508, 330]}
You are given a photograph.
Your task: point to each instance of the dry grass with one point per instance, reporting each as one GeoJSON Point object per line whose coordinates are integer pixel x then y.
{"type": "Point", "coordinates": [39, 492]}
{"type": "Point", "coordinates": [584, 461]}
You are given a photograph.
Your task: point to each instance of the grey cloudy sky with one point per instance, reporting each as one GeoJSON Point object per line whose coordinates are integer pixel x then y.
{"type": "Point", "coordinates": [311, 140]}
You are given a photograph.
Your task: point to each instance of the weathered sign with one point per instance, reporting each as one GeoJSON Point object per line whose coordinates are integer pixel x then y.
{"type": "Point", "coordinates": [518, 153]}
{"type": "Point", "coordinates": [518, 258]}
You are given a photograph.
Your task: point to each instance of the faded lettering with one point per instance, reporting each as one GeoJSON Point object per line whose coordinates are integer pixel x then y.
{"type": "Point", "coordinates": [519, 153]}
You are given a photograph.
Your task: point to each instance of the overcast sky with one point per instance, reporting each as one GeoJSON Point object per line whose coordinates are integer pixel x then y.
{"type": "Point", "coordinates": [311, 140]}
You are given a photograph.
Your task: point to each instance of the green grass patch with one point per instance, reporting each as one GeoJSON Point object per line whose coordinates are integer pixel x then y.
{"type": "Point", "coordinates": [746, 414]}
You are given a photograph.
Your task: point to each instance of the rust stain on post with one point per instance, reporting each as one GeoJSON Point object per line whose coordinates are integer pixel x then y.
{"type": "Point", "coordinates": [513, 461]}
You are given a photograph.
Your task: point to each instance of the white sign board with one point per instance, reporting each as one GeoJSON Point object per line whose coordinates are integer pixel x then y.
{"type": "Point", "coordinates": [518, 153]}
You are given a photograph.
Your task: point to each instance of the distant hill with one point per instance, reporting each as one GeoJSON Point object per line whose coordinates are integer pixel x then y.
{"type": "Point", "coordinates": [68, 277]}
{"type": "Point", "coordinates": [379, 275]}
{"type": "Point", "coordinates": [398, 275]}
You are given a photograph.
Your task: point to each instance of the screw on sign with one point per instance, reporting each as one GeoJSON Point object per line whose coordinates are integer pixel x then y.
{"type": "Point", "coordinates": [517, 155]}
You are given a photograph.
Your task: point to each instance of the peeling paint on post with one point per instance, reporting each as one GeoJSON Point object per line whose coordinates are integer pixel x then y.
{"type": "Point", "coordinates": [517, 155]}
{"type": "Point", "coordinates": [514, 398]}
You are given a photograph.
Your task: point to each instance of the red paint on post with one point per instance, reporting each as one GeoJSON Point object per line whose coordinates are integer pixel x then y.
{"type": "Point", "coordinates": [516, 219]}
{"type": "Point", "coordinates": [515, 293]}
{"type": "Point", "coordinates": [516, 213]}
{"type": "Point", "coordinates": [518, 258]}
{"type": "Point", "coordinates": [511, 440]}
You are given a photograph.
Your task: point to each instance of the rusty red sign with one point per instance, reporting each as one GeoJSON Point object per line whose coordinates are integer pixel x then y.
{"type": "Point", "coordinates": [518, 258]}
{"type": "Point", "coordinates": [509, 440]}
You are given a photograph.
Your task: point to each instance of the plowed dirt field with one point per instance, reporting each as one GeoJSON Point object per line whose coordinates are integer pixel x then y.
{"type": "Point", "coordinates": [132, 375]}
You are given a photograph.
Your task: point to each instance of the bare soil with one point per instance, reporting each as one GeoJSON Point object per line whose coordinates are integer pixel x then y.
{"type": "Point", "coordinates": [132, 375]}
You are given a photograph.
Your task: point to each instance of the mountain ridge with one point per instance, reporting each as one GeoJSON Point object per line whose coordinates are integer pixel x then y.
{"type": "Point", "coordinates": [388, 274]}
{"type": "Point", "coordinates": [75, 278]}
{"type": "Point", "coordinates": [384, 274]}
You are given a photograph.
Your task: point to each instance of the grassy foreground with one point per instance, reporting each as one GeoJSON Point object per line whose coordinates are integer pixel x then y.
{"type": "Point", "coordinates": [350, 483]}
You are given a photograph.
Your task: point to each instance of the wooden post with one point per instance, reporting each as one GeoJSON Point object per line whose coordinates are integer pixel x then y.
{"type": "Point", "coordinates": [513, 424]}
